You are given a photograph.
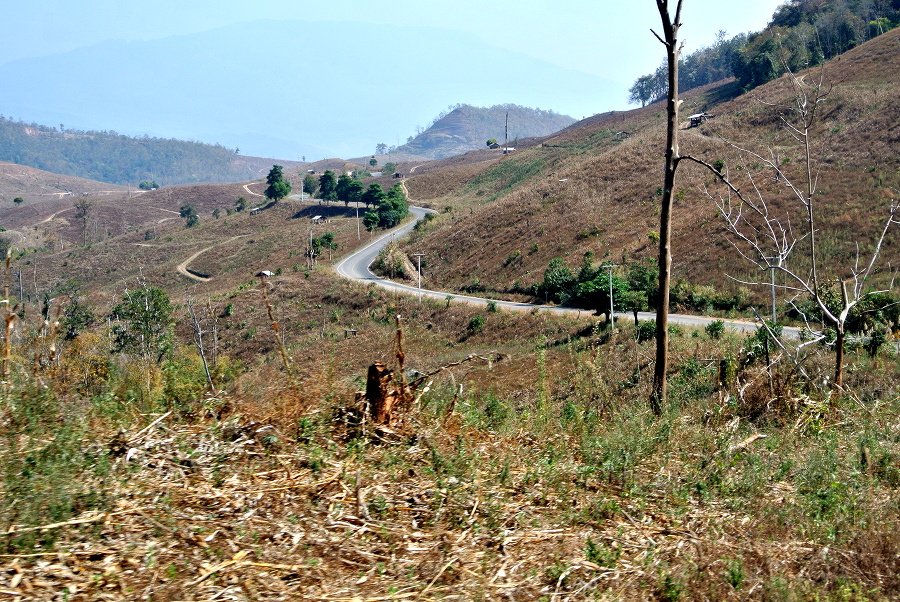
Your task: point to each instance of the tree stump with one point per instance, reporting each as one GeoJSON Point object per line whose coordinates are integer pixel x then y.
{"type": "Point", "coordinates": [380, 393]}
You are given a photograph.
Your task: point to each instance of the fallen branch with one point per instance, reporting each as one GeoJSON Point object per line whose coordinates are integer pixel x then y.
{"type": "Point", "coordinates": [76, 521]}
{"type": "Point", "coordinates": [234, 560]}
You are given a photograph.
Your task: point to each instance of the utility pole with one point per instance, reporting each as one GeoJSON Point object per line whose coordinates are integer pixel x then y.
{"type": "Point", "coordinates": [418, 257]}
{"type": "Point", "coordinates": [358, 234]}
{"type": "Point", "coordinates": [506, 136]}
{"type": "Point", "coordinates": [612, 312]}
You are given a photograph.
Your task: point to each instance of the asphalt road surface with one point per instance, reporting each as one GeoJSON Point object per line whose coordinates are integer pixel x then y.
{"type": "Point", "coordinates": [357, 267]}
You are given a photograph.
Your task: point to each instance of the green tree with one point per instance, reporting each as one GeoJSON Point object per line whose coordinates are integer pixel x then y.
{"type": "Point", "coordinates": [328, 186]}
{"type": "Point", "coordinates": [370, 220]}
{"type": "Point", "coordinates": [558, 282]}
{"type": "Point", "coordinates": [634, 301]}
{"type": "Point", "coordinates": [492, 141]}
{"type": "Point", "coordinates": [143, 324]}
{"type": "Point", "coordinates": [277, 187]}
{"type": "Point", "coordinates": [393, 208]}
{"type": "Point", "coordinates": [389, 168]}
{"type": "Point", "coordinates": [594, 294]}
{"type": "Point", "coordinates": [643, 276]}
{"type": "Point", "coordinates": [189, 214]}
{"type": "Point", "coordinates": [310, 185]}
{"type": "Point", "coordinates": [18, 201]}
{"type": "Point", "coordinates": [240, 204]}
{"type": "Point", "coordinates": [645, 90]}
{"type": "Point", "coordinates": [356, 191]}
{"type": "Point", "coordinates": [342, 189]}
{"type": "Point", "coordinates": [77, 316]}
{"type": "Point", "coordinates": [373, 195]}
{"type": "Point", "coordinates": [326, 242]}
{"type": "Point", "coordinates": [373, 161]}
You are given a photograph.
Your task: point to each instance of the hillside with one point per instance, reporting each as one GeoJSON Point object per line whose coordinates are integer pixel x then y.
{"type": "Point", "coordinates": [467, 128]}
{"type": "Point", "coordinates": [35, 185]}
{"type": "Point", "coordinates": [590, 189]}
{"type": "Point", "coordinates": [801, 34]}
{"type": "Point", "coordinates": [194, 429]}
{"type": "Point", "coordinates": [110, 157]}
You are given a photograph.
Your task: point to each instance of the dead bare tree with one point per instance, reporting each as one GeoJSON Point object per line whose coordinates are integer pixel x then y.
{"type": "Point", "coordinates": [82, 212]}
{"type": "Point", "coordinates": [669, 39]}
{"type": "Point", "coordinates": [197, 328]}
{"type": "Point", "coordinates": [766, 238]}
{"type": "Point", "coordinates": [9, 318]}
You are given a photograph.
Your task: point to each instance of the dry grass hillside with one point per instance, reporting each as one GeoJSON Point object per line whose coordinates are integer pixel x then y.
{"type": "Point", "coordinates": [34, 185]}
{"type": "Point", "coordinates": [589, 189]}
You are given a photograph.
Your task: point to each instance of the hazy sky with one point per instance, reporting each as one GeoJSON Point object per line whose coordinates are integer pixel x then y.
{"type": "Point", "coordinates": [610, 38]}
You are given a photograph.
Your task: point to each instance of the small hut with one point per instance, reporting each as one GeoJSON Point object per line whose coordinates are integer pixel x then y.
{"type": "Point", "coordinates": [699, 119]}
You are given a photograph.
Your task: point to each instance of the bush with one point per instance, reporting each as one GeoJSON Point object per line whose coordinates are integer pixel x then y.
{"type": "Point", "coordinates": [645, 331]}
{"type": "Point", "coordinates": [476, 324]}
{"type": "Point", "coordinates": [715, 329]}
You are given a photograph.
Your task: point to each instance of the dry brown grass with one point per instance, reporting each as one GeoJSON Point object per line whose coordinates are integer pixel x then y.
{"type": "Point", "coordinates": [608, 205]}
{"type": "Point", "coordinates": [506, 493]}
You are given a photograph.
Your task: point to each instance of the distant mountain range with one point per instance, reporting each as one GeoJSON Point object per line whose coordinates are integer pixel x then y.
{"type": "Point", "coordinates": [287, 89]}
{"type": "Point", "coordinates": [468, 128]}
{"type": "Point", "coordinates": [107, 156]}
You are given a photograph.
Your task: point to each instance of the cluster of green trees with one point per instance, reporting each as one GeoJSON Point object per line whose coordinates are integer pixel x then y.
{"type": "Point", "coordinates": [107, 156]}
{"type": "Point", "coordinates": [802, 33]}
{"type": "Point", "coordinates": [705, 66]}
{"type": "Point", "coordinates": [634, 286]}
{"type": "Point", "coordinates": [388, 208]}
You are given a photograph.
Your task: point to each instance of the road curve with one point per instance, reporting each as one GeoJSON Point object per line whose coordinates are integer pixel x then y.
{"type": "Point", "coordinates": [356, 266]}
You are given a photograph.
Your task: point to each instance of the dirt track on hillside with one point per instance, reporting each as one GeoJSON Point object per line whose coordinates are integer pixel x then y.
{"type": "Point", "coordinates": [182, 267]}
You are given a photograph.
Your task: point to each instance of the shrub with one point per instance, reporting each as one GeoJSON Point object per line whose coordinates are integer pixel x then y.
{"type": "Point", "coordinates": [645, 331]}
{"type": "Point", "coordinates": [715, 329]}
{"type": "Point", "coordinates": [476, 324]}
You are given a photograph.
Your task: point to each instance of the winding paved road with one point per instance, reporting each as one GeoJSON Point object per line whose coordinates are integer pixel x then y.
{"type": "Point", "coordinates": [357, 267]}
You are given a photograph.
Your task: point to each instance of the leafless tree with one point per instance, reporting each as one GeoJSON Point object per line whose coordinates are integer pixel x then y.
{"type": "Point", "coordinates": [82, 212]}
{"type": "Point", "coordinates": [669, 39]}
{"type": "Point", "coordinates": [198, 328]}
{"type": "Point", "coordinates": [767, 238]}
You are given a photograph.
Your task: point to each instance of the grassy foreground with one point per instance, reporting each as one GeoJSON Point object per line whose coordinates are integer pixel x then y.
{"type": "Point", "coordinates": [539, 477]}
